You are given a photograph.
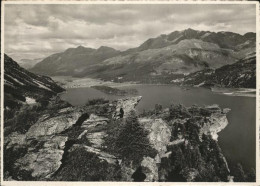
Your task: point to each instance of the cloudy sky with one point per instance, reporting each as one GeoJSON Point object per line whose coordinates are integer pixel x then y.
{"type": "Point", "coordinates": [36, 31]}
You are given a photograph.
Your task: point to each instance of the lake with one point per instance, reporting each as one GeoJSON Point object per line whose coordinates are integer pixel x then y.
{"type": "Point", "coordinates": [237, 140]}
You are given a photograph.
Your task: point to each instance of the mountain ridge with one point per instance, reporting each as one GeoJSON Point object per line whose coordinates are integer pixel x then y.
{"type": "Point", "coordinates": [21, 85]}
{"type": "Point", "coordinates": [179, 52]}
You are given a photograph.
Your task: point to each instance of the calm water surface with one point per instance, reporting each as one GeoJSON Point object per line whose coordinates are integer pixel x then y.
{"type": "Point", "coordinates": [237, 140]}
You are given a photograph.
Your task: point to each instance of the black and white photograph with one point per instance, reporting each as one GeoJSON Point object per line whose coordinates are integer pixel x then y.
{"type": "Point", "coordinates": [129, 92]}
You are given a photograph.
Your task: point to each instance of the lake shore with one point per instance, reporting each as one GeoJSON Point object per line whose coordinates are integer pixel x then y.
{"type": "Point", "coordinates": [247, 92]}
{"type": "Point", "coordinates": [68, 82]}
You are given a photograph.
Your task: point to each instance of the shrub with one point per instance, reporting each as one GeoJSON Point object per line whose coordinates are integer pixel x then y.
{"type": "Point", "coordinates": [132, 142]}
{"type": "Point", "coordinates": [81, 165]}
{"type": "Point", "coordinates": [97, 101]}
{"type": "Point", "coordinates": [239, 174]}
{"type": "Point", "coordinates": [22, 120]}
{"type": "Point", "coordinates": [178, 111]}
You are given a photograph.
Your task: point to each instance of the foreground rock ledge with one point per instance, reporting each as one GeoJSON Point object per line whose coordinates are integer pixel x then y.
{"type": "Point", "coordinates": [48, 143]}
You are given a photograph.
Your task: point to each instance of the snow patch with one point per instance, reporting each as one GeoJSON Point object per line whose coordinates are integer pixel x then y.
{"type": "Point", "coordinates": [29, 100]}
{"type": "Point", "coordinates": [199, 85]}
{"type": "Point", "coordinates": [177, 80]}
{"type": "Point", "coordinates": [16, 80]}
{"type": "Point", "coordinates": [41, 85]}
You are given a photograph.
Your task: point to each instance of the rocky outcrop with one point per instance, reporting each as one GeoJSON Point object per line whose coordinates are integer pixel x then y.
{"type": "Point", "coordinates": [46, 161]}
{"type": "Point", "coordinates": [58, 139]}
{"type": "Point", "coordinates": [95, 137]}
{"type": "Point", "coordinates": [15, 140]}
{"type": "Point", "coordinates": [94, 121]}
{"type": "Point", "coordinates": [159, 134]}
{"type": "Point", "coordinates": [53, 125]}
{"type": "Point", "coordinates": [127, 104]}
{"type": "Point", "coordinates": [43, 143]}
{"type": "Point", "coordinates": [216, 122]}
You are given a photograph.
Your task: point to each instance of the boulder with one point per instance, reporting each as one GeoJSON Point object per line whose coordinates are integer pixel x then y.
{"type": "Point", "coordinates": [46, 161]}
{"type": "Point", "coordinates": [53, 125]}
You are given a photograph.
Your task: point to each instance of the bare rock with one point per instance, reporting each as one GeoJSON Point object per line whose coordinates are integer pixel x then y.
{"type": "Point", "coordinates": [45, 162]}
{"type": "Point", "coordinates": [216, 122]}
{"type": "Point", "coordinates": [127, 104]}
{"type": "Point", "coordinates": [53, 125]}
{"type": "Point", "coordinates": [96, 138]}
{"type": "Point", "coordinates": [159, 133]}
{"type": "Point", "coordinates": [94, 121]}
{"type": "Point", "coordinates": [15, 140]}
{"type": "Point", "coordinates": [150, 169]}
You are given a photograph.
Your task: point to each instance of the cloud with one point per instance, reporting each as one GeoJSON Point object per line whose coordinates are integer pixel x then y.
{"type": "Point", "coordinates": [38, 30]}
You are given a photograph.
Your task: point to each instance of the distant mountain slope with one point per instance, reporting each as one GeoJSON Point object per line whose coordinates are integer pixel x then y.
{"type": "Point", "coordinates": [241, 74]}
{"type": "Point", "coordinates": [228, 40]}
{"type": "Point", "coordinates": [157, 59]}
{"type": "Point", "coordinates": [21, 86]}
{"type": "Point", "coordinates": [73, 60]}
{"type": "Point", "coordinates": [185, 57]}
{"type": "Point", "coordinates": [29, 63]}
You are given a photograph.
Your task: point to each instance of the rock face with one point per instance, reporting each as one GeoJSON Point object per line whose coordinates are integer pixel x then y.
{"type": "Point", "coordinates": [159, 134]}
{"type": "Point", "coordinates": [161, 137]}
{"type": "Point", "coordinates": [43, 156]}
{"type": "Point", "coordinates": [46, 161]}
{"type": "Point", "coordinates": [217, 121]}
{"type": "Point", "coordinates": [43, 143]}
{"type": "Point", "coordinates": [95, 137]}
{"type": "Point", "coordinates": [94, 121]}
{"type": "Point", "coordinates": [53, 125]}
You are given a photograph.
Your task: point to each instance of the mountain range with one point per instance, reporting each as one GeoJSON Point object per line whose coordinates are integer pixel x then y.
{"type": "Point", "coordinates": [157, 60]}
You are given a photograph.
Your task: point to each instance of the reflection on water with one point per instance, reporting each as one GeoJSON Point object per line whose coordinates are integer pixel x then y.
{"type": "Point", "coordinates": [237, 140]}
